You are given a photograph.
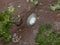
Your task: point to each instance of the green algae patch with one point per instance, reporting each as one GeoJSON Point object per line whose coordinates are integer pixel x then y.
{"type": "Point", "coordinates": [5, 23]}
{"type": "Point", "coordinates": [47, 36]}
{"type": "Point", "coordinates": [55, 6]}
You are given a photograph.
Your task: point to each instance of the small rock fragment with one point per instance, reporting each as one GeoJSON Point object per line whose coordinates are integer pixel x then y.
{"type": "Point", "coordinates": [19, 29]}
{"type": "Point", "coordinates": [15, 38]}
{"type": "Point", "coordinates": [27, 0]}
{"type": "Point", "coordinates": [19, 6]}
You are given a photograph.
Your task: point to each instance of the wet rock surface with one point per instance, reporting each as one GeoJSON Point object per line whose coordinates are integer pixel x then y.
{"type": "Point", "coordinates": [27, 33]}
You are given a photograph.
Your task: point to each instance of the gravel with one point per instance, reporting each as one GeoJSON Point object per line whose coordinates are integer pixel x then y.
{"type": "Point", "coordinates": [15, 38]}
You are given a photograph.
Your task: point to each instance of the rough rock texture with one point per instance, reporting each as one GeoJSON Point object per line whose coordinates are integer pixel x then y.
{"type": "Point", "coordinates": [27, 33]}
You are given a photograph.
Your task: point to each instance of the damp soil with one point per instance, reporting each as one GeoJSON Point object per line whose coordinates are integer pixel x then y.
{"type": "Point", "coordinates": [44, 16]}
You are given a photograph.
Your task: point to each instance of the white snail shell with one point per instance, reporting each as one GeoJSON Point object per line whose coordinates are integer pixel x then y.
{"type": "Point", "coordinates": [32, 19]}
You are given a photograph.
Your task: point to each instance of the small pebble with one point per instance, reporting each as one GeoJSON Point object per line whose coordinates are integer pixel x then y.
{"type": "Point", "coordinates": [19, 29]}
{"type": "Point", "coordinates": [20, 37]}
{"type": "Point", "coordinates": [41, 3]}
{"type": "Point", "coordinates": [19, 6]}
{"type": "Point", "coordinates": [27, 0]}
{"type": "Point", "coordinates": [38, 18]}
{"type": "Point", "coordinates": [28, 8]}
{"type": "Point", "coordinates": [14, 34]}
{"type": "Point", "coordinates": [15, 38]}
{"type": "Point", "coordinates": [18, 15]}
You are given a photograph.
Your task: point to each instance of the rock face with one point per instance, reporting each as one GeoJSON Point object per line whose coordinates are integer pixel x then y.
{"type": "Point", "coordinates": [25, 8]}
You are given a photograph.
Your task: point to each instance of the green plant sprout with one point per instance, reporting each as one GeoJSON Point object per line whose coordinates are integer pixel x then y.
{"type": "Point", "coordinates": [5, 23]}
{"type": "Point", "coordinates": [46, 36]}
{"type": "Point", "coordinates": [56, 6]}
{"type": "Point", "coordinates": [35, 2]}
